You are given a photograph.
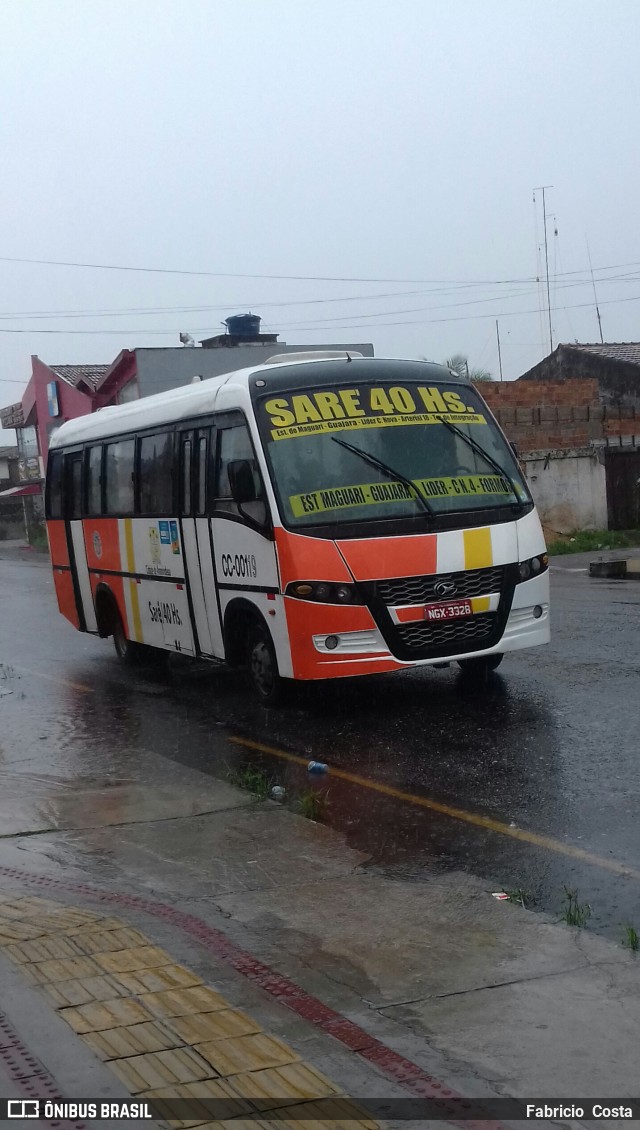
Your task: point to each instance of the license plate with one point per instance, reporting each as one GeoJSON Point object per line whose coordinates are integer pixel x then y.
{"type": "Point", "coordinates": [448, 610]}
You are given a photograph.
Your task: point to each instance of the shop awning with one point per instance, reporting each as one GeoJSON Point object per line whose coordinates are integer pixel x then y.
{"type": "Point", "coordinates": [20, 492]}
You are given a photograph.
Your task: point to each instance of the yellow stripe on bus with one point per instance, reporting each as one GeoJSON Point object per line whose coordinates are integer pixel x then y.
{"type": "Point", "coordinates": [477, 548]}
{"type": "Point", "coordinates": [133, 588]}
{"type": "Point", "coordinates": [480, 603]}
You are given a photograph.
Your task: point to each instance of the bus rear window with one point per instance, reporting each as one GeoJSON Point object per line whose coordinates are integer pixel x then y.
{"type": "Point", "coordinates": [54, 485]}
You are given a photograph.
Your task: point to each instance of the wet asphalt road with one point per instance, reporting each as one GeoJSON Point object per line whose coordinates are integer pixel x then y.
{"type": "Point", "coordinates": [549, 744]}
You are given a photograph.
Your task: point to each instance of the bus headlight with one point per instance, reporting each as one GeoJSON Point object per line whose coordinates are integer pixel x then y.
{"type": "Point", "coordinates": [324, 592]}
{"type": "Point", "coordinates": [344, 594]}
{"type": "Point", "coordinates": [533, 567]}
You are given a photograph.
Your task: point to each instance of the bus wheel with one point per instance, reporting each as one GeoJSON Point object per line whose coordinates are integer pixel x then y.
{"type": "Point", "coordinates": [480, 667]}
{"type": "Point", "coordinates": [262, 669]}
{"type": "Point", "coordinates": [128, 651]}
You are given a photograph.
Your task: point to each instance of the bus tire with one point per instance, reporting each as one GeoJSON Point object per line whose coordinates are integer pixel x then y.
{"type": "Point", "coordinates": [128, 651]}
{"type": "Point", "coordinates": [262, 668]}
{"type": "Point", "coordinates": [481, 667]}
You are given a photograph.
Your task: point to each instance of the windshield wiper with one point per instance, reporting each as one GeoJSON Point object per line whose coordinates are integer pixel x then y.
{"type": "Point", "coordinates": [485, 455]}
{"type": "Point", "coordinates": [373, 461]}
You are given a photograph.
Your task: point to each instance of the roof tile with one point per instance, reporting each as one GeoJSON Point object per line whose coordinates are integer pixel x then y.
{"type": "Point", "coordinates": [628, 351]}
{"type": "Point", "coordinates": [74, 374]}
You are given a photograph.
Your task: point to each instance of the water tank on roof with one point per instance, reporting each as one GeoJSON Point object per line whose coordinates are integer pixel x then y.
{"type": "Point", "coordinates": [243, 325]}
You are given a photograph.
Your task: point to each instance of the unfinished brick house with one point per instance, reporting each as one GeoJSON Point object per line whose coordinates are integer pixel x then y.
{"type": "Point", "coordinates": [575, 418]}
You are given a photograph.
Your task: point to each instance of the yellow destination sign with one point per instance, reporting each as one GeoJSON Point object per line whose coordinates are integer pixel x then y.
{"type": "Point", "coordinates": [372, 494]}
{"type": "Point", "coordinates": [338, 409]}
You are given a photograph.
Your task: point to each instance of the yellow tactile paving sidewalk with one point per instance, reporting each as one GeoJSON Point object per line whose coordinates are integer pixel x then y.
{"type": "Point", "coordinates": [162, 1031]}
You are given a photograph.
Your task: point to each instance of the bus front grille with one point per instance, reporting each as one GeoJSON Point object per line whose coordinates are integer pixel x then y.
{"type": "Point", "coordinates": [460, 635]}
{"type": "Point", "coordinates": [421, 590]}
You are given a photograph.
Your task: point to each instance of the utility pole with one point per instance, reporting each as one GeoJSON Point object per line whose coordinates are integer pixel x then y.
{"type": "Point", "coordinates": [499, 353]}
{"type": "Point", "coordinates": [542, 188]}
{"type": "Point", "coordinates": [595, 293]}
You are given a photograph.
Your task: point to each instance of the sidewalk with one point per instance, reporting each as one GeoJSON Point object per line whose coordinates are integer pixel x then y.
{"type": "Point", "coordinates": [335, 982]}
{"type": "Point", "coordinates": [93, 1009]}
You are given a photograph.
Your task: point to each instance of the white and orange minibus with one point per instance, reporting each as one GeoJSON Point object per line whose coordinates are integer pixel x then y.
{"type": "Point", "coordinates": [314, 517]}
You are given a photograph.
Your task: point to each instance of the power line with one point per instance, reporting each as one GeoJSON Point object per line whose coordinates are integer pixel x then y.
{"type": "Point", "coordinates": [311, 327]}
{"type": "Point", "coordinates": [290, 278]}
{"type": "Point", "coordinates": [224, 274]}
{"type": "Point", "coordinates": [152, 311]}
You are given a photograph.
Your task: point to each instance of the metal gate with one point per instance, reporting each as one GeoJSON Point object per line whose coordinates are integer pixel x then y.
{"type": "Point", "coordinates": [623, 488]}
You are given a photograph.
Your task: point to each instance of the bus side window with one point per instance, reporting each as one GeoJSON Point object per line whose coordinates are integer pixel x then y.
{"type": "Point", "coordinates": [118, 473]}
{"type": "Point", "coordinates": [155, 474]}
{"type": "Point", "coordinates": [54, 485]}
{"type": "Point", "coordinates": [234, 443]}
{"type": "Point", "coordinates": [185, 477]}
{"type": "Point", "coordinates": [202, 453]}
{"type": "Point", "coordinates": [74, 494]}
{"type": "Point", "coordinates": [93, 480]}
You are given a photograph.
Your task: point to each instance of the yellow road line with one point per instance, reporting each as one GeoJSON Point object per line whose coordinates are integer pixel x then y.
{"type": "Point", "coordinates": [54, 679]}
{"type": "Point", "coordinates": [488, 822]}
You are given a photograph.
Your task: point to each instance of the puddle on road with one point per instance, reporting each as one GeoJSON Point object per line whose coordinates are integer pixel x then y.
{"type": "Point", "coordinates": [124, 753]}
{"type": "Point", "coordinates": [36, 802]}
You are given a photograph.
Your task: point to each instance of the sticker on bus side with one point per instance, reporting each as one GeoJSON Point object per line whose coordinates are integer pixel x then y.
{"type": "Point", "coordinates": [175, 540]}
{"type": "Point", "coordinates": [365, 407]}
{"type": "Point", "coordinates": [154, 545]}
{"type": "Point", "coordinates": [371, 494]}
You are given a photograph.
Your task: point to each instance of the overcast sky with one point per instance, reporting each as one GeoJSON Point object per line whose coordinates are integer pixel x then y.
{"type": "Point", "coordinates": [337, 140]}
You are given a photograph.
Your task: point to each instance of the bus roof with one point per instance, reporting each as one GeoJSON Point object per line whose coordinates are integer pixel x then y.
{"type": "Point", "coordinates": [199, 398]}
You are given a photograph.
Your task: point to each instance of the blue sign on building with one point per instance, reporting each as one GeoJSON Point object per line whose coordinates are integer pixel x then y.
{"type": "Point", "coordinates": [52, 398]}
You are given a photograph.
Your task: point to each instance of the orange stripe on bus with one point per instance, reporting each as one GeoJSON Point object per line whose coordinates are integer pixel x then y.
{"type": "Point", "coordinates": [58, 543]}
{"type": "Point", "coordinates": [377, 558]}
{"type": "Point", "coordinates": [406, 615]}
{"type": "Point", "coordinates": [63, 581]}
{"type": "Point", "coordinates": [102, 543]}
{"type": "Point", "coordinates": [306, 619]}
{"type": "Point", "coordinates": [308, 559]}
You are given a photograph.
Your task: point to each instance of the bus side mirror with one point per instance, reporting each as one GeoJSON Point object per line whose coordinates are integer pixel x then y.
{"type": "Point", "coordinates": [514, 448]}
{"type": "Point", "coordinates": [243, 488]}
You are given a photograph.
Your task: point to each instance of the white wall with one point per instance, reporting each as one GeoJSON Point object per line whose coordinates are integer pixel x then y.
{"type": "Point", "coordinates": [161, 369]}
{"type": "Point", "coordinates": [569, 489]}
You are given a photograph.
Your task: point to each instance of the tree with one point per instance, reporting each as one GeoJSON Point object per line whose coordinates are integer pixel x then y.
{"type": "Point", "coordinates": [460, 366]}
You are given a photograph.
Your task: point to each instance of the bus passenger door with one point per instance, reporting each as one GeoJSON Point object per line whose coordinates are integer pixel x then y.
{"type": "Point", "coordinates": [195, 446]}
{"type": "Point", "coordinates": [75, 540]}
{"type": "Point", "coordinates": [245, 561]}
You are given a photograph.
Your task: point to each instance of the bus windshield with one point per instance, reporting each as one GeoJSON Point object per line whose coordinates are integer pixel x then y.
{"type": "Point", "coordinates": [378, 451]}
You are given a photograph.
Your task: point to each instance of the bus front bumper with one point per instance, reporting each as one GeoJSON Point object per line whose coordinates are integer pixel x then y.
{"type": "Point", "coordinates": [365, 650]}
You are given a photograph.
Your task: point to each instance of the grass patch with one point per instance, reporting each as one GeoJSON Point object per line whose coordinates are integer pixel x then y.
{"type": "Point", "coordinates": [631, 938]}
{"type": "Point", "coordinates": [313, 805]}
{"type": "Point", "coordinates": [585, 541]}
{"type": "Point", "coordinates": [523, 898]}
{"type": "Point", "coordinates": [252, 779]}
{"type": "Point", "coordinates": [37, 537]}
{"type": "Point", "coordinates": [575, 913]}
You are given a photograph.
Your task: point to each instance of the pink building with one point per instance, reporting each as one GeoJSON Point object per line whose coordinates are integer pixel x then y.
{"type": "Point", "coordinates": [54, 394]}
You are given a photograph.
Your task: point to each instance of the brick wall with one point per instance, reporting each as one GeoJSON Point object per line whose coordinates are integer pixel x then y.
{"type": "Point", "coordinates": [536, 394]}
{"type": "Point", "coordinates": [618, 381]}
{"type": "Point", "coordinates": [541, 415]}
